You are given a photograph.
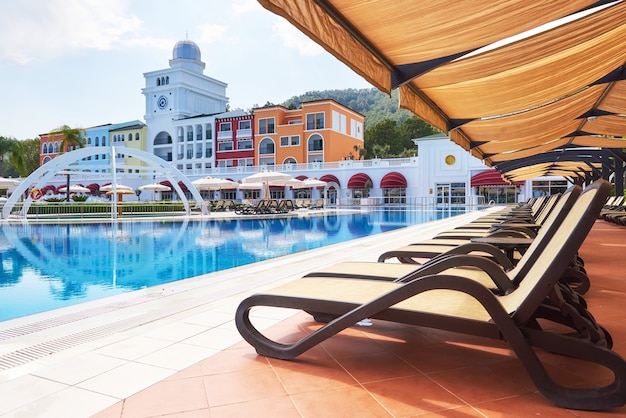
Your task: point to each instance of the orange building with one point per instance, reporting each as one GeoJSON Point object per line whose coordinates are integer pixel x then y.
{"type": "Point", "coordinates": [320, 131]}
{"type": "Point", "coordinates": [50, 146]}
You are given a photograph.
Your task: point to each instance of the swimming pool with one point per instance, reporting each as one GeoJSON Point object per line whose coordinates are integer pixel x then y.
{"type": "Point", "coordinates": [48, 266]}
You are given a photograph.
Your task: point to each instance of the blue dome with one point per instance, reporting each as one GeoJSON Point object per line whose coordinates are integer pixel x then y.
{"type": "Point", "coordinates": [186, 49]}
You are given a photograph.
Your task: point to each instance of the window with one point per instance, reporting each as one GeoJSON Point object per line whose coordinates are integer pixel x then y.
{"type": "Point", "coordinates": [266, 126]}
{"type": "Point", "coordinates": [225, 126]}
{"type": "Point", "coordinates": [266, 146]}
{"type": "Point", "coordinates": [315, 121]}
{"type": "Point", "coordinates": [247, 162]}
{"type": "Point", "coordinates": [225, 146]}
{"type": "Point", "coordinates": [208, 133]}
{"type": "Point", "coordinates": [247, 144]}
{"type": "Point", "coordinates": [137, 136]}
{"type": "Point", "coordinates": [45, 149]}
{"type": "Point", "coordinates": [290, 141]}
{"type": "Point", "coordinates": [244, 124]}
{"type": "Point", "coordinates": [316, 143]}
{"type": "Point", "coordinates": [190, 135]}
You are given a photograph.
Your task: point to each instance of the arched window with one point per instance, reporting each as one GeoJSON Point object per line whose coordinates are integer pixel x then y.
{"type": "Point", "coordinates": [56, 147]}
{"type": "Point", "coordinates": [266, 146]}
{"type": "Point", "coordinates": [97, 143]}
{"type": "Point", "coordinates": [167, 80]}
{"type": "Point", "coordinates": [104, 141]}
{"type": "Point", "coordinates": [44, 149]}
{"type": "Point", "coordinates": [88, 140]}
{"type": "Point", "coordinates": [137, 136]}
{"type": "Point", "coordinates": [158, 81]}
{"type": "Point", "coordinates": [316, 143]}
{"type": "Point", "coordinates": [208, 131]}
{"type": "Point", "coordinates": [290, 160]}
{"type": "Point", "coordinates": [162, 81]}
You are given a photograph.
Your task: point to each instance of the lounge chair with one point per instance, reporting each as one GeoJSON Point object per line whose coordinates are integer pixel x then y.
{"type": "Point", "coordinates": [455, 303]}
{"type": "Point", "coordinates": [429, 249]}
{"type": "Point", "coordinates": [319, 204]}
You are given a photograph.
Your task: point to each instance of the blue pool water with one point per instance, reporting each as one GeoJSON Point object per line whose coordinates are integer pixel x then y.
{"type": "Point", "coordinates": [48, 266]}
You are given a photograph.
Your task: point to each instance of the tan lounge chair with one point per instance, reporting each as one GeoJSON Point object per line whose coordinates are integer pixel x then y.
{"type": "Point", "coordinates": [456, 303]}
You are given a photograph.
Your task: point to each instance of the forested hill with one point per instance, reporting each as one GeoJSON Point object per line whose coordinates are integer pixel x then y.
{"type": "Point", "coordinates": [375, 105]}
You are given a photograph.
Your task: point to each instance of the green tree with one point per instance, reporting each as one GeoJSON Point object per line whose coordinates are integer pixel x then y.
{"type": "Point", "coordinates": [7, 147]}
{"type": "Point", "coordinates": [383, 134]}
{"type": "Point", "coordinates": [25, 158]}
{"type": "Point", "coordinates": [72, 138]}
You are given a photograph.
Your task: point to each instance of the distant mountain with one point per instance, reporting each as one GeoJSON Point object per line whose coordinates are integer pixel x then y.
{"type": "Point", "coordinates": [375, 105]}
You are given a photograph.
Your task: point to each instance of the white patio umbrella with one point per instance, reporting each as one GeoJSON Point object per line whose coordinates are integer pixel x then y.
{"type": "Point", "coordinates": [308, 183]}
{"type": "Point", "coordinates": [267, 178]}
{"type": "Point", "coordinates": [5, 182]}
{"type": "Point", "coordinates": [214, 183]}
{"type": "Point", "coordinates": [155, 187]}
{"type": "Point", "coordinates": [118, 187]}
{"type": "Point", "coordinates": [272, 177]}
{"type": "Point", "coordinates": [74, 188]}
{"type": "Point", "coordinates": [263, 186]}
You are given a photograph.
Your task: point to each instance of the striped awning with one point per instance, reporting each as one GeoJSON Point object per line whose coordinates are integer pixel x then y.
{"type": "Point", "coordinates": [329, 178]}
{"type": "Point", "coordinates": [392, 180]}
{"type": "Point", "coordinates": [358, 181]}
{"type": "Point", "coordinates": [491, 178]}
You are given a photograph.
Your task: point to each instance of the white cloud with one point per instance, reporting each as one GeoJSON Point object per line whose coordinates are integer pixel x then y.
{"type": "Point", "coordinates": [211, 33]}
{"type": "Point", "coordinates": [294, 39]}
{"type": "Point", "coordinates": [40, 28]}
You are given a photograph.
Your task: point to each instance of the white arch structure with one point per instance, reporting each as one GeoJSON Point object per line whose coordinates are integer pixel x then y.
{"type": "Point", "coordinates": [63, 162]}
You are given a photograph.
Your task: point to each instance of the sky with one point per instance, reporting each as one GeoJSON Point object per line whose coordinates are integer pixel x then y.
{"type": "Point", "coordinates": [81, 62]}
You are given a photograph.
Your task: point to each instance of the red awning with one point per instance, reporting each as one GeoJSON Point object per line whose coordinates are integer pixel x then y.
{"type": "Point", "coordinates": [491, 178]}
{"type": "Point", "coordinates": [392, 180]}
{"type": "Point", "coordinates": [358, 181]}
{"type": "Point", "coordinates": [301, 177]}
{"type": "Point", "coordinates": [330, 178]}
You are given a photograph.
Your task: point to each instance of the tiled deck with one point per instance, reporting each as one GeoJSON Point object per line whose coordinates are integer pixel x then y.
{"type": "Point", "coordinates": [198, 369]}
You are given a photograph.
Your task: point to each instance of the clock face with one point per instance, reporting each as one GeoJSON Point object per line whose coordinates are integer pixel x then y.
{"type": "Point", "coordinates": [162, 102]}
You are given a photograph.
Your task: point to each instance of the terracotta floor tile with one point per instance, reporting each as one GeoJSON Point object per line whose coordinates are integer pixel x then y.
{"type": "Point", "coordinates": [527, 405]}
{"type": "Point", "coordinates": [463, 412]}
{"type": "Point", "coordinates": [307, 377]}
{"type": "Point", "coordinates": [114, 411]}
{"type": "Point", "coordinates": [347, 401]}
{"type": "Point", "coordinates": [476, 384]}
{"type": "Point", "coordinates": [275, 407]}
{"type": "Point", "coordinates": [414, 395]}
{"type": "Point", "coordinates": [377, 366]}
{"type": "Point", "coordinates": [166, 397]}
{"type": "Point", "coordinates": [233, 360]}
{"type": "Point", "coordinates": [228, 388]}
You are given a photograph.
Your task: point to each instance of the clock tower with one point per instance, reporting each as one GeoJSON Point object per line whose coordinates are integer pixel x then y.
{"type": "Point", "coordinates": [179, 92]}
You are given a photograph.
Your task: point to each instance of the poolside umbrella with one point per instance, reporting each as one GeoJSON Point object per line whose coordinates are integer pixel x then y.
{"type": "Point", "coordinates": [214, 183]}
{"type": "Point", "coordinates": [118, 187]}
{"type": "Point", "coordinates": [268, 176]}
{"type": "Point", "coordinates": [74, 188]}
{"type": "Point", "coordinates": [155, 187]}
{"type": "Point", "coordinates": [309, 183]}
{"type": "Point", "coordinates": [5, 182]}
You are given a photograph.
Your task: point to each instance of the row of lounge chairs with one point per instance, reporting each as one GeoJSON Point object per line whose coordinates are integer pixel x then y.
{"type": "Point", "coordinates": [307, 204]}
{"type": "Point", "coordinates": [266, 206]}
{"type": "Point", "coordinates": [461, 291]}
{"type": "Point", "coordinates": [272, 206]}
{"type": "Point", "coordinates": [615, 210]}
{"type": "Point", "coordinates": [223, 205]}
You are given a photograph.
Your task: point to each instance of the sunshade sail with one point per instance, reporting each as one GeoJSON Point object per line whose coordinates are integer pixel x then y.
{"type": "Point", "coordinates": [472, 69]}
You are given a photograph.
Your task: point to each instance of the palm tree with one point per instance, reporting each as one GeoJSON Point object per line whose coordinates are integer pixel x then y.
{"type": "Point", "coordinates": [72, 138]}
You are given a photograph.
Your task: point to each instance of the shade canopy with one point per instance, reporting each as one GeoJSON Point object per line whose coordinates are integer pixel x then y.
{"type": "Point", "coordinates": [214, 183]}
{"type": "Point", "coordinates": [310, 183]}
{"type": "Point", "coordinates": [359, 180]}
{"type": "Point", "coordinates": [490, 178]}
{"type": "Point", "coordinates": [155, 187]}
{"type": "Point", "coordinates": [118, 187]}
{"type": "Point", "coordinates": [392, 180]}
{"type": "Point", "coordinates": [504, 79]}
{"type": "Point", "coordinates": [5, 182]}
{"type": "Point", "coordinates": [269, 176]}
{"type": "Point", "coordinates": [74, 188]}
{"type": "Point", "coordinates": [329, 178]}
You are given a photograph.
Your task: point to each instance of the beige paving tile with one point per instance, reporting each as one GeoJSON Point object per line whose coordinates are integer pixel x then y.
{"type": "Point", "coordinates": [19, 392]}
{"type": "Point", "coordinates": [125, 380]}
{"type": "Point", "coordinates": [79, 368]}
{"type": "Point", "coordinates": [133, 347]}
{"type": "Point", "coordinates": [177, 356]}
{"type": "Point", "coordinates": [70, 402]}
